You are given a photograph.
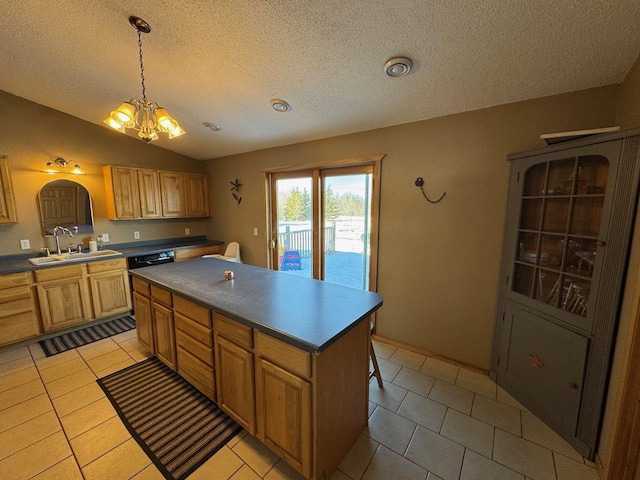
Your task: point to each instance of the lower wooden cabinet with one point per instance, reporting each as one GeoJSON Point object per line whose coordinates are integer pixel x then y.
{"type": "Point", "coordinates": [165, 340]}
{"type": "Point", "coordinates": [18, 309]}
{"type": "Point", "coordinates": [144, 322]}
{"type": "Point", "coordinates": [283, 407]}
{"type": "Point", "coordinates": [64, 296]}
{"type": "Point", "coordinates": [235, 382]}
{"type": "Point", "coordinates": [197, 252]}
{"type": "Point", "coordinates": [110, 289]}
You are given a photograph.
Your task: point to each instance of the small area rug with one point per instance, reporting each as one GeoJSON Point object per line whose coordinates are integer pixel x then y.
{"type": "Point", "coordinates": [176, 425]}
{"type": "Point", "coordinates": [68, 341]}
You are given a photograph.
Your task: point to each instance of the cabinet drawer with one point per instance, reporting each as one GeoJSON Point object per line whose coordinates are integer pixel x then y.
{"type": "Point", "coordinates": [15, 279]}
{"type": "Point", "coordinates": [107, 265]}
{"type": "Point", "coordinates": [16, 306]}
{"type": "Point", "coordinates": [194, 311]}
{"type": "Point", "coordinates": [140, 286]}
{"type": "Point", "coordinates": [197, 349]}
{"type": "Point", "coordinates": [292, 358]}
{"type": "Point", "coordinates": [194, 329]}
{"type": "Point", "coordinates": [232, 330]}
{"type": "Point", "coordinates": [8, 295]}
{"type": "Point", "coordinates": [161, 296]}
{"type": "Point", "coordinates": [18, 327]}
{"type": "Point", "coordinates": [195, 368]}
{"type": "Point", "coordinates": [59, 273]}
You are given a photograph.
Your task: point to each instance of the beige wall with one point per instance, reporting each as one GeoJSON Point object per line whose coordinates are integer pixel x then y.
{"type": "Point", "coordinates": [31, 134]}
{"type": "Point", "coordinates": [627, 116]}
{"type": "Point", "coordinates": [438, 264]}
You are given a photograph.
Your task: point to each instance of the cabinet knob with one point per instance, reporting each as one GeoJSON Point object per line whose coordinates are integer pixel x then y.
{"type": "Point", "coordinates": [535, 361]}
{"type": "Point", "coordinates": [573, 385]}
{"type": "Point", "coordinates": [600, 243]}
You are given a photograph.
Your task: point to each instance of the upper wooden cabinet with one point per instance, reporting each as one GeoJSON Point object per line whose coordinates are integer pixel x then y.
{"type": "Point", "coordinates": [7, 199]}
{"type": "Point", "coordinates": [138, 193]}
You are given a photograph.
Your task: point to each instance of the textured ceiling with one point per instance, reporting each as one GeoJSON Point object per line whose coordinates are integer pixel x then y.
{"type": "Point", "coordinates": [223, 61]}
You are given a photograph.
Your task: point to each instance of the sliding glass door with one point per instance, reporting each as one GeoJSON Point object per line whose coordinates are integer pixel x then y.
{"type": "Point", "coordinates": [324, 224]}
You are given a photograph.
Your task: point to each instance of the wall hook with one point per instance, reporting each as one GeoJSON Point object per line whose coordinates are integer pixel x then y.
{"type": "Point", "coordinates": [420, 184]}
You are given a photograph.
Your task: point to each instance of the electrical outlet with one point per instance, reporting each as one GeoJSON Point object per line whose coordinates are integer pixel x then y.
{"type": "Point", "coordinates": [136, 235]}
{"type": "Point", "coordinates": [25, 245]}
{"type": "Point", "coordinates": [187, 231]}
{"type": "Point", "coordinates": [255, 231]}
{"type": "Point", "coordinates": [105, 237]}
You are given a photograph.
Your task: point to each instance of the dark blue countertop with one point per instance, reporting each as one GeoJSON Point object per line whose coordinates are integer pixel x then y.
{"type": "Point", "coordinates": [19, 263]}
{"type": "Point", "coordinates": [306, 313]}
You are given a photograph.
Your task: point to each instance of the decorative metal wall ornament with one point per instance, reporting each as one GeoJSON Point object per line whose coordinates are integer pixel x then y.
{"type": "Point", "coordinates": [420, 184]}
{"type": "Point", "coordinates": [235, 190]}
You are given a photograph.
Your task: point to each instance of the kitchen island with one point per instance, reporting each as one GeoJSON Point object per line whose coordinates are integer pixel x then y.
{"type": "Point", "coordinates": [286, 357]}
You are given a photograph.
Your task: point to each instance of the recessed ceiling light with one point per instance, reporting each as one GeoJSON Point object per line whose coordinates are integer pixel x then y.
{"type": "Point", "coordinates": [212, 126]}
{"type": "Point", "coordinates": [397, 67]}
{"type": "Point", "coordinates": [280, 105]}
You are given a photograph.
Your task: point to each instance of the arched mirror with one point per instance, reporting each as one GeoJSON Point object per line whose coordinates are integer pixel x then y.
{"type": "Point", "coordinates": [65, 203]}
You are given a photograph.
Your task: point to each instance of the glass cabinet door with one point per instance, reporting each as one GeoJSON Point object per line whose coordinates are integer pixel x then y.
{"type": "Point", "coordinates": [560, 215]}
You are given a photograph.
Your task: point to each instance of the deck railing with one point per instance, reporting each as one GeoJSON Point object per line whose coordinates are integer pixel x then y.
{"type": "Point", "coordinates": [302, 240]}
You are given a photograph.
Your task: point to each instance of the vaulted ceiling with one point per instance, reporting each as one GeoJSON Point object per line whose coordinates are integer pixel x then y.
{"type": "Point", "coordinates": [223, 61]}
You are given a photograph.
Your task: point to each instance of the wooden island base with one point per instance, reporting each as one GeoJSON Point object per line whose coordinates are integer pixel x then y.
{"type": "Point", "coordinates": [308, 407]}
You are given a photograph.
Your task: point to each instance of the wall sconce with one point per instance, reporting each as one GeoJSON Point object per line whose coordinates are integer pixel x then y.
{"type": "Point", "coordinates": [420, 184]}
{"type": "Point", "coordinates": [56, 164]}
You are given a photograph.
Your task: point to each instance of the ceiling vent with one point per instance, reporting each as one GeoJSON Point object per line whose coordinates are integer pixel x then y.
{"type": "Point", "coordinates": [397, 67]}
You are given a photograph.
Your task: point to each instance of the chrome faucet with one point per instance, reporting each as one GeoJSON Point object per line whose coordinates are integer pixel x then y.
{"type": "Point", "coordinates": [59, 230]}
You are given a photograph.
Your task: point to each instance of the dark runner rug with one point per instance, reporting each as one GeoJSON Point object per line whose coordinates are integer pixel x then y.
{"type": "Point", "coordinates": [176, 425]}
{"type": "Point", "coordinates": [71, 340]}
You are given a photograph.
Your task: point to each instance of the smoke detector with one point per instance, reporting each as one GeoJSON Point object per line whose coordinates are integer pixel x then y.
{"type": "Point", "coordinates": [397, 67]}
{"type": "Point", "coordinates": [212, 126]}
{"type": "Point", "coordinates": [280, 105]}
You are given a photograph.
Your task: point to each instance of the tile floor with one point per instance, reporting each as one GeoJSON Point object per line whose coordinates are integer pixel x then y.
{"type": "Point", "coordinates": [431, 421]}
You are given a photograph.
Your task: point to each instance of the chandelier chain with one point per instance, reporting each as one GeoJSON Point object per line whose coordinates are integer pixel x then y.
{"type": "Point", "coordinates": [144, 93]}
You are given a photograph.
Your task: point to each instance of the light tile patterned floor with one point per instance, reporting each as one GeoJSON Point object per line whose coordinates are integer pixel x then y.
{"type": "Point", "coordinates": [431, 421]}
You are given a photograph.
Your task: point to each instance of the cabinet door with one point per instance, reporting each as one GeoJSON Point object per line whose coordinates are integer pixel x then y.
{"type": "Point", "coordinates": [123, 196]}
{"type": "Point", "coordinates": [64, 302]}
{"type": "Point", "coordinates": [543, 365]}
{"type": "Point", "coordinates": [110, 293]}
{"type": "Point", "coordinates": [197, 195]}
{"type": "Point", "coordinates": [283, 404]}
{"type": "Point", "coordinates": [150, 205]}
{"type": "Point", "coordinates": [235, 382]}
{"type": "Point", "coordinates": [164, 335]}
{"type": "Point", "coordinates": [7, 200]}
{"type": "Point", "coordinates": [144, 323]}
{"type": "Point", "coordinates": [172, 191]}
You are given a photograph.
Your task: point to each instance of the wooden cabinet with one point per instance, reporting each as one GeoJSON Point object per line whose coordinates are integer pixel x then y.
{"type": "Point", "coordinates": [194, 344]}
{"type": "Point", "coordinates": [235, 388]}
{"type": "Point", "coordinates": [140, 193]}
{"type": "Point", "coordinates": [197, 252]}
{"type": "Point", "coordinates": [149, 188]}
{"type": "Point", "coordinates": [570, 211]}
{"type": "Point", "coordinates": [64, 296]}
{"type": "Point", "coordinates": [283, 405]}
{"type": "Point", "coordinates": [7, 198]}
{"type": "Point", "coordinates": [123, 194]}
{"type": "Point", "coordinates": [173, 187]}
{"type": "Point", "coordinates": [18, 310]}
{"type": "Point", "coordinates": [163, 326]}
{"type": "Point", "coordinates": [110, 289]}
{"type": "Point", "coordinates": [197, 195]}
{"type": "Point", "coordinates": [144, 321]}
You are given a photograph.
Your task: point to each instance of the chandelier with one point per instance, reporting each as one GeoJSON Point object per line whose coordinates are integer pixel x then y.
{"type": "Point", "coordinates": [142, 115]}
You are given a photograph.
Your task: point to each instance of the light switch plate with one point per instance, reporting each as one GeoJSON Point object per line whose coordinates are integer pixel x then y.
{"type": "Point", "coordinates": [105, 237]}
{"type": "Point", "coordinates": [255, 231]}
{"type": "Point", "coordinates": [136, 235]}
{"type": "Point", "coordinates": [187, 231]}
{"type": "Point", "coordinates": [25, 245]}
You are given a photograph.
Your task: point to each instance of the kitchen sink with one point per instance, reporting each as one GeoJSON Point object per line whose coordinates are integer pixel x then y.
{"type": "Point", "coordinates": [71, 257]}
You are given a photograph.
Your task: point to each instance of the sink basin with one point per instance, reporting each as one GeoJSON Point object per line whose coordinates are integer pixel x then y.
{"type": "Point", "coordinates": [71, 257]}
